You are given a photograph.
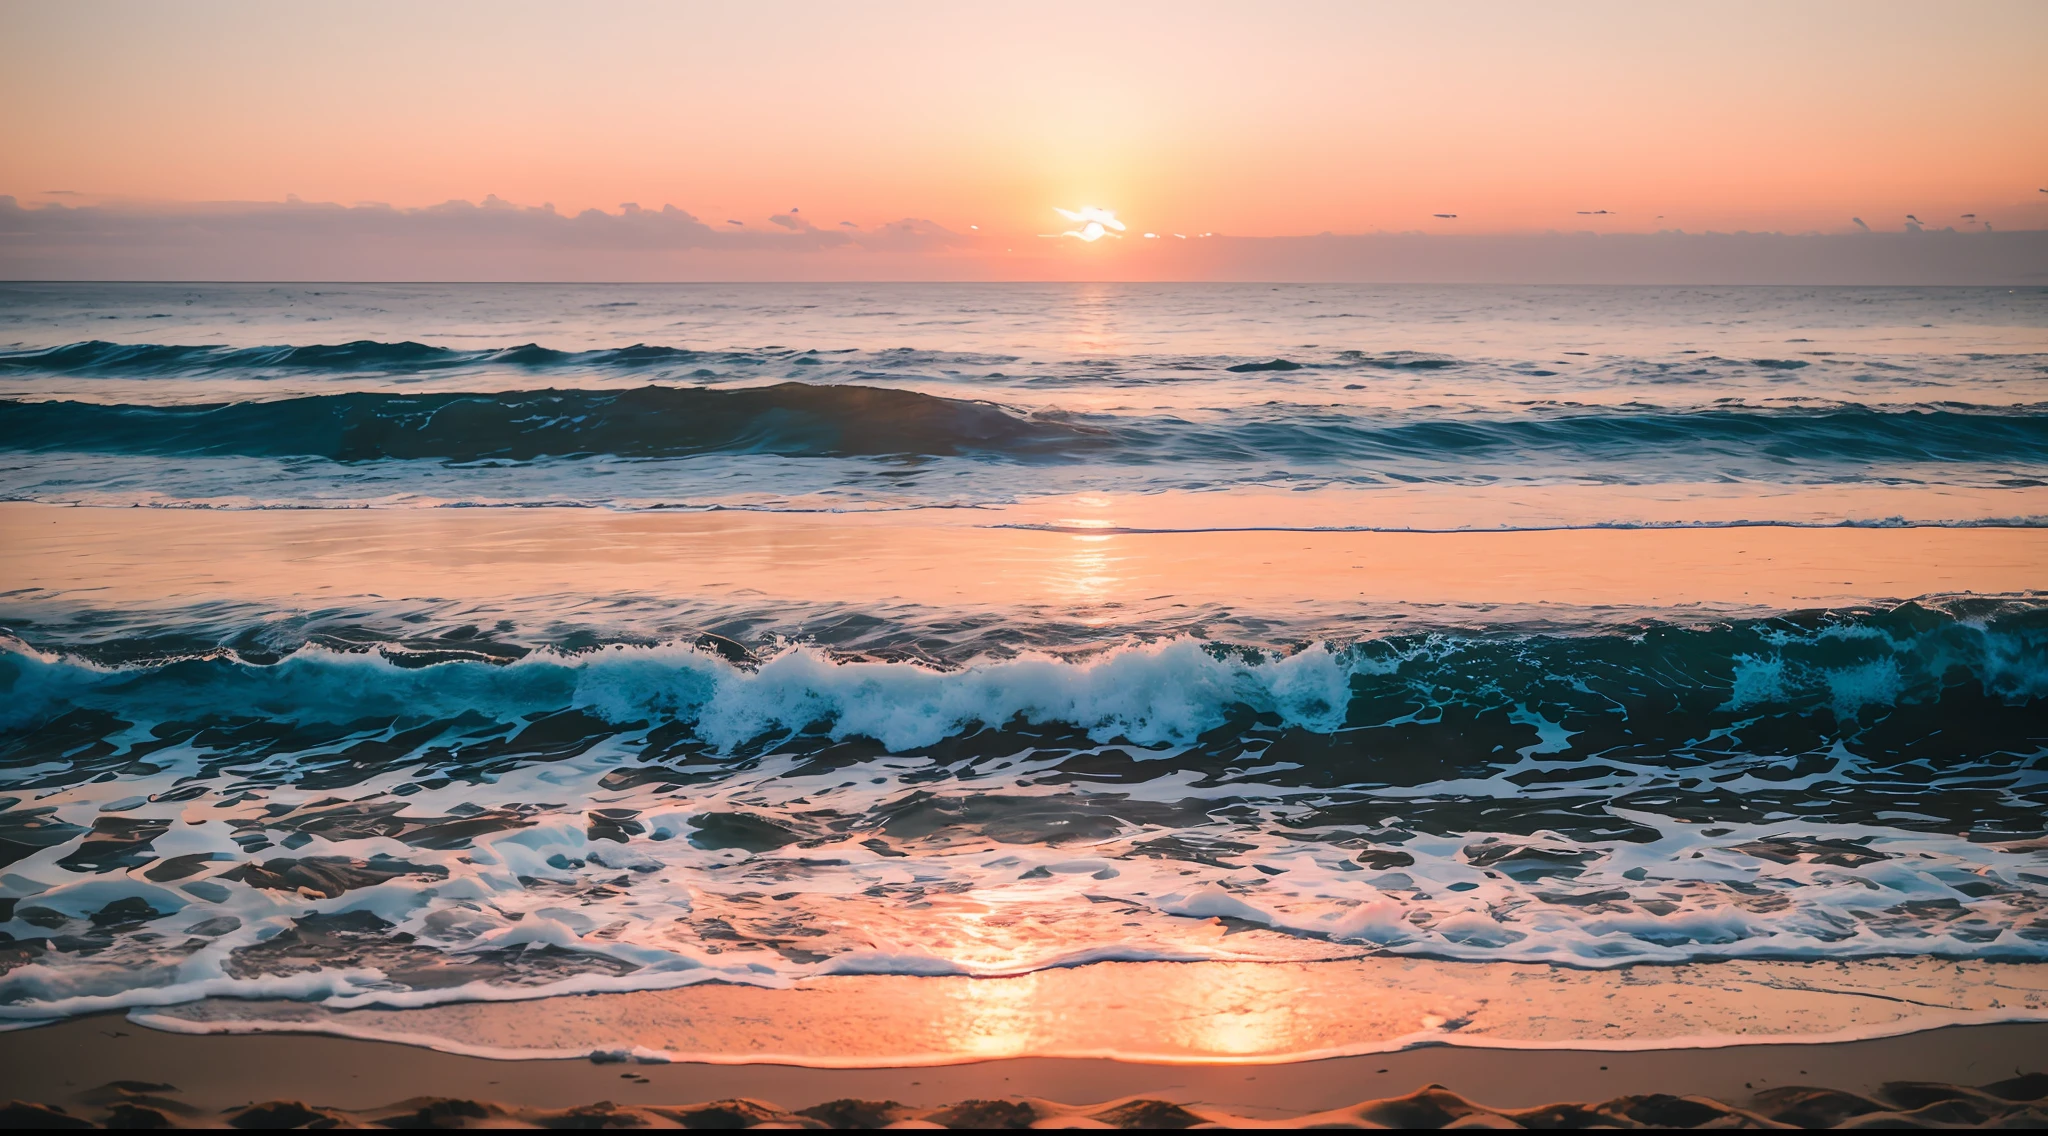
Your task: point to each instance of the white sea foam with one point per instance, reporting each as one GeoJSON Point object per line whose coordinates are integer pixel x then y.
{"type": "Point", "coordinates": [687, 819]}
{"type": "Point", "coordinates": [1152, 694]}
{"type": "Point", "coordinates": [665, 912]}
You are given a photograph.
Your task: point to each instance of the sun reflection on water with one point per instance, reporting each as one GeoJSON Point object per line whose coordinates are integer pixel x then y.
{"type": "Point", "coordinates": [1245, 1012]}
{"type": "Point", "coordinates": [1240, 1012]}
{"type": "Point", "coordinates": [1089, 571]}
{"type": "Point", "coordinates": [996, 1017]}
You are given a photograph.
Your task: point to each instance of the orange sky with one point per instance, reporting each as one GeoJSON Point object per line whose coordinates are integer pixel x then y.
{"type": "Point", "coordinates": [1249, 119]}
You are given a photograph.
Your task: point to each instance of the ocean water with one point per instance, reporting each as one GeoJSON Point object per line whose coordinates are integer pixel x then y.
{"type": "Point", "coordinates": [402, 799]}
{"type": "Point", "coordinates": [631, 397]}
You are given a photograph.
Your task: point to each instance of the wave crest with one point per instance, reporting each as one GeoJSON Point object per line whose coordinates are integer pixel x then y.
{"type": "Point", "coordinates": [790, 418]}
{"type": "Point", "coordinates": [1662, 690]}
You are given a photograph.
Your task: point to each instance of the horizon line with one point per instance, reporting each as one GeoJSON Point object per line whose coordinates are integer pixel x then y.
{"type": "Point", "coordinates": [6, 280]}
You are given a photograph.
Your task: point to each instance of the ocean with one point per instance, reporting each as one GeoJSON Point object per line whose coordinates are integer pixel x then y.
{"type": "Point", "coordinates": [765, 632]}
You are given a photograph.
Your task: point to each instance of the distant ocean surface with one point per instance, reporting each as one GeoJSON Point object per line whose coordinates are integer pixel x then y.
{"type": "Point", "coordinates": [384, 799]}
{"type": "Point", "coordinates": [844, 397]}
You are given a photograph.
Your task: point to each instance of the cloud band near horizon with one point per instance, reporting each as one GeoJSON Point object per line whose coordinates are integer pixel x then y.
{"type": "Point", "coordinates": [500, 241]}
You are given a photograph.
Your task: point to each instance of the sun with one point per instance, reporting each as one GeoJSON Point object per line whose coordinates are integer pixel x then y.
{"type": "Point", "coordinates": [1095, 223]}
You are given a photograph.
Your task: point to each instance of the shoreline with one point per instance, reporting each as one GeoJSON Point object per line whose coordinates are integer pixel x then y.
{"type": "Point", "coordinates": [1249, 1014]}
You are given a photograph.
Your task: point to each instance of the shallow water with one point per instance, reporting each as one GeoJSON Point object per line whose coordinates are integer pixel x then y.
{"type": "Point", "coordinates": [403, 797]}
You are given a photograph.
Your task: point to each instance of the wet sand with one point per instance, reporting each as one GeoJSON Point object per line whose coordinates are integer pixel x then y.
{"type": "Point", "coordinates": [1193, 1012]}
{"type": "Point", "coordinates": [938, 558]}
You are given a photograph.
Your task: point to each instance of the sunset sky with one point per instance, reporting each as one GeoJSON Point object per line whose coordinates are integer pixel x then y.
{"type": "Point", "coordinates": [1251, 120]}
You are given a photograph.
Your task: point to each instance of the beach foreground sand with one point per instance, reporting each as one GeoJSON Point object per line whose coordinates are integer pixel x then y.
{"type": "Point", "coordinates": [1226, 1041]}
{"type": "Point", "coordinates": [108, 1070]}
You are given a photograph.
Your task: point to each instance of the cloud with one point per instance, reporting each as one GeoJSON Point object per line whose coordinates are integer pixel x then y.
{"type": "Point", "coordinates": [499, 240]}
{"type": "Point", "coordinates": [1095, 223]}
{"type": "Point", "coordinates": [911, 235]}
{"type": "Point", "coordinates": [1920, 258]}
{"type": "Point", "coordinates": [270, 231]}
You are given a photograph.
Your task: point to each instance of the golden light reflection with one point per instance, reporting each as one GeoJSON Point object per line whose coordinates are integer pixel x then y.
{"type": "Point", "coordinates": [1094, 325]}
{"type": "Point", "coordinates": [176, 555]}
{"type": "Point", "coordinates": [999, 1017]}
{"type": "Point", "coordinates": [1180, 1012]}
{"type": "Point", "coordinates": [1240, 1012]}
{"type": "Point", "coordinates": [1089, 574]}
{"type": "Point", "coordinates": [1199, 1012]}
{"type": "Point", "coordinates": [1090, 571]}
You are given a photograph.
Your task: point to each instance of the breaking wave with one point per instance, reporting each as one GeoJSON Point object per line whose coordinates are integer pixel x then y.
{"type": "Point", "coordinates": [367, 828]}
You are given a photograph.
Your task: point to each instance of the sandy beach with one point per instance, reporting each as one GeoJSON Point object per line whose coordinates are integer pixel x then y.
{"type": "Point", "coordinates": [1534, 1037]}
